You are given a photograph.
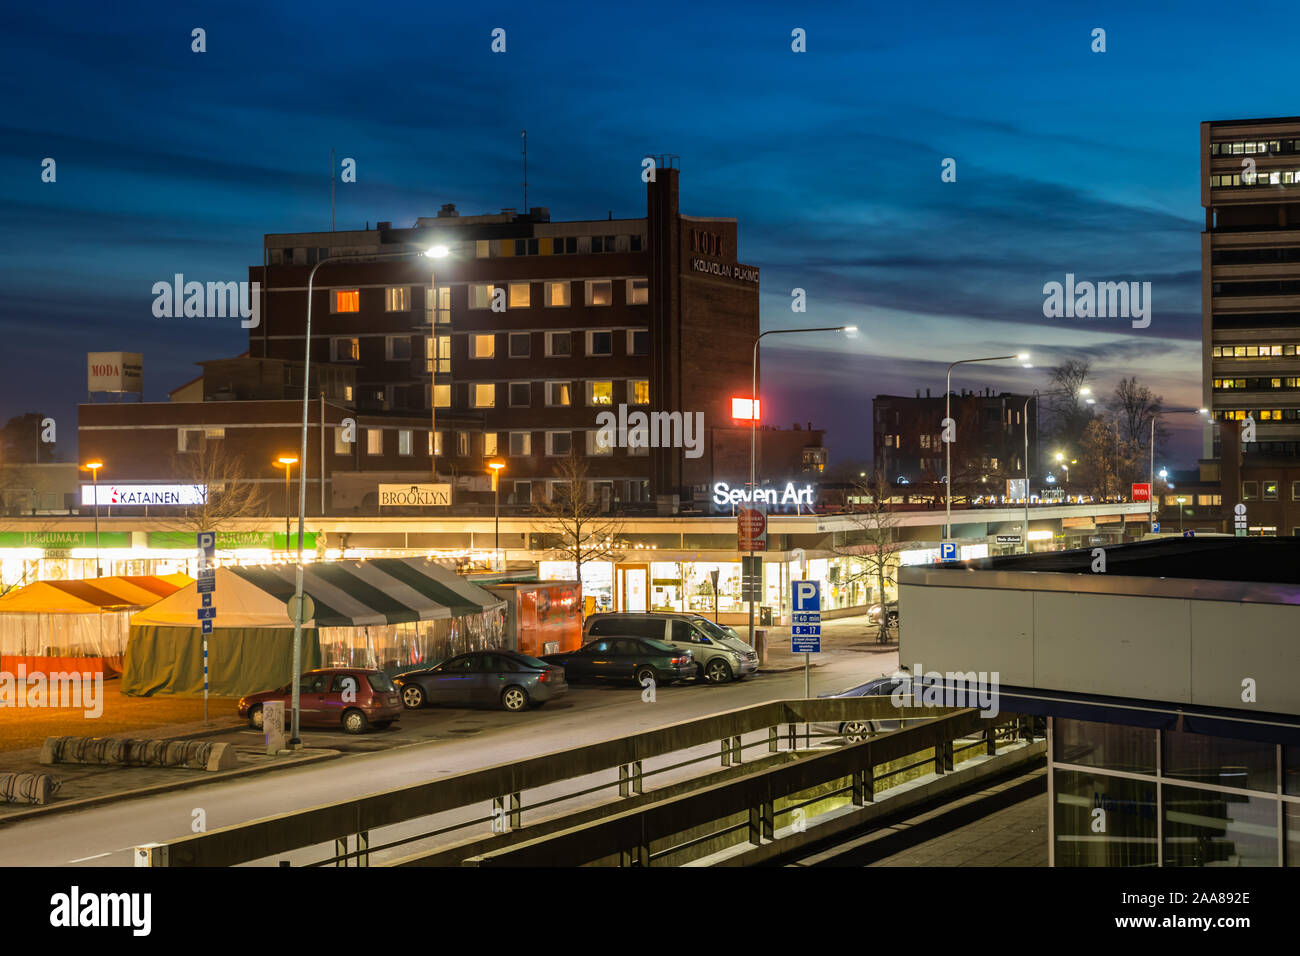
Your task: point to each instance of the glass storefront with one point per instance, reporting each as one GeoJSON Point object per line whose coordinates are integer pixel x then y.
{"type": "Point", "coordinates": [1134, 796]}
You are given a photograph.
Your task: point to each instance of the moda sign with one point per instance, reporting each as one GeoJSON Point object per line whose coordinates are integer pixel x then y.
{"type": "Point", "coordinates": [414, 496]}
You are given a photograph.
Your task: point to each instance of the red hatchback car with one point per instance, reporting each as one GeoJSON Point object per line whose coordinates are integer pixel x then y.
{"type": "Point", "coordinates": [353, 698]}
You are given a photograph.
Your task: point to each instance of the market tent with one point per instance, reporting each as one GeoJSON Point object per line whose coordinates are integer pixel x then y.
{"type": "Point", "coordinates": [385, 613]}
{"type": "Point", "coordinates": [64, 625]}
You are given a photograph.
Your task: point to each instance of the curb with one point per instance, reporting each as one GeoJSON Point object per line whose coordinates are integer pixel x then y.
{"type": "Point", "coordinates": [86, 802]}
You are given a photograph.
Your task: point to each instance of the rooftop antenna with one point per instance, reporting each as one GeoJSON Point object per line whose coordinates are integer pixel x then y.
{"type": "Point", "coordinates": [524, 134]}
{"type": "Point", "coordinates": [331, 189]}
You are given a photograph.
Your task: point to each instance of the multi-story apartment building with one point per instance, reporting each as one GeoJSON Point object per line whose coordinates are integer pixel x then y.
{"type": "Point", "coordinates": [990, 445]}
{"type": "Point", "coordinates": [1250, 313]}
{"type": "Point", "coordinates": [539, 334]}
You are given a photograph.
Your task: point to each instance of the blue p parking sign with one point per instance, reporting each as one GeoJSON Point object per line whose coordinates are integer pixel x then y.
{"type": "Point", "coordinates": [806, 620]}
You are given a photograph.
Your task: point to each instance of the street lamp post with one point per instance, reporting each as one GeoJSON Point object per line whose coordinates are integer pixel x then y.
{"type": "Point", "coordinates": [94, 467]}
{"type": "Point", "coordinates": [1024, 419]}
{"type": "Point", "coordinates": [1151, 502]}
{"type": "Point", "coordinates": [947, 445]}
{"type": "Point", "coordinates": [436, 252]}
{"type": "Point", "coordinates": [753, 425]}
{"type": "Point", "coordinates": [1180, 499]}
{"type": "Point", "coordinates": [496, 467]}
{"type": "Point", "coordinates": [288, 461]}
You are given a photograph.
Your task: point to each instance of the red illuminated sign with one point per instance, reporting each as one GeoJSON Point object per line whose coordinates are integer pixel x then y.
{"type": "Point", "coordinates": [741, 409]}
{"type": "Point", "coordinates": [1142, 491]}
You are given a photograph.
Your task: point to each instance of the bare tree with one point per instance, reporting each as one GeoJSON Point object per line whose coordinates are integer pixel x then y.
{"type": "Point", "coordinates": [230, 493]}
{"type": "Point", "coordinates": [1067, 414]}
{"type": "Point", "coordinates": [573, 523]}
{"type": "Point", "coordinates": [873, 541]}
{"type": "Point", "coordinates": [1133, 407]}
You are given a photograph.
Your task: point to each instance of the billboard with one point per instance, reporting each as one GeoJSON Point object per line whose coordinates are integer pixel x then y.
{"type": "Point", "coordinates": [114, 372]}
{"type": "Point", "coordinates": [1142, 491]}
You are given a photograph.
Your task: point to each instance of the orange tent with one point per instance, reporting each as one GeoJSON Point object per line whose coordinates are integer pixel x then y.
{"type": "Point", "coordinates": [76, 625]}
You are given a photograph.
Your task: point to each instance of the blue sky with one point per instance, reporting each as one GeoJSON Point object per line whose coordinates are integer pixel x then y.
{"type": "Point", "coordinates": [1067, 161]}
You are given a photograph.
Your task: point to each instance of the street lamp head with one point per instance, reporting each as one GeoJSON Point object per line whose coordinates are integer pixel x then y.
{"type": "Point", "coordinates": [496, 465]}
{"type": "Point", "coordinates": [850, 330]}
{"type": "Point", "coordinates": [287, 460]}
{"type": "Point", "coordinates": [93, 465]}
{"type": "Point", "coordinates": [436, 252]}
{"type": "Point", "coordinates": [1060, 457]}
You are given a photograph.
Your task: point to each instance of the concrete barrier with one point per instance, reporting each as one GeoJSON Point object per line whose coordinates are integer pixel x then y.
{"type": "Point", "coordinates": [122, 751]}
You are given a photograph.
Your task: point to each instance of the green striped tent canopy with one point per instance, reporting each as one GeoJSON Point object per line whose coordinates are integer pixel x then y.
{"type": "Point", "coordinates": [349, 593]}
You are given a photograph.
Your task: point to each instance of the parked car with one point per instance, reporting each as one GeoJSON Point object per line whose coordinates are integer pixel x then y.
{"type": "Point", "coordinates": [719, 655]}
{"type": "Point", "coordinates": [855, 730]}
{"type": "Point", "coordinates": [353, 698]}
{"type": "Point", "coordinates": [506, 678]}
{"type": "Point", "coordinates": [627, 658]}
{"type": "Point", "coordinates": [890, 608]}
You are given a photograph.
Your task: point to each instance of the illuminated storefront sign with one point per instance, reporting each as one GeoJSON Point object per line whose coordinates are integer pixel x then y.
{"type": "Point", "coordinates": [145, 494]}
{"type": "Point", "coordinates": [405, 496]}
{"type": "Point", "coordinates": [724, 494]}
{"type": "Point", "coordinates": [235, 540]}
{"type": "Point", "coordinates": [63, 540]}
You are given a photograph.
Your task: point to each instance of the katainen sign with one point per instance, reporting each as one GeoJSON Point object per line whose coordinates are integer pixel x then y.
{"type": "Point", "coordinates": [418, 496]}
{"type": "Point", "coordinates": [145, 494]}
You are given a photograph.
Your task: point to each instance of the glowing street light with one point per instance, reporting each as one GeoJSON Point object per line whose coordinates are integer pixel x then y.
{"type": "Point", "coordinates": [94, 467]}
{"type": "Point", "coordinates": [287, 461]}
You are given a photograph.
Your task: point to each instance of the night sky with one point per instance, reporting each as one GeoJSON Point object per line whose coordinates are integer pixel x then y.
{"type": "Point", "coordinates": [1066, 161]}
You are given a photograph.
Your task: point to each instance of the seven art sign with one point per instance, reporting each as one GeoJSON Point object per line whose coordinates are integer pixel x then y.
{"type": "Point", "coordinates": [724, 494]}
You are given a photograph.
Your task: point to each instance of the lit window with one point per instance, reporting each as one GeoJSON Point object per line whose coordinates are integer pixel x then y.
{"type": "Point", "coordinates": [482, 248]}
{"type": "Point", "coordinates": [482, 346]}
{"type": "Point", "coordinates": [403, 441]}
{"type": "Point", "coordinates": [600, 393]}
{"type": "Point", "coordinates": [600, 292]}
{"type": "Point", "coordinates": [1270, 490]}
{"type": "Point", "coordinates": [519, 295]}
{"type": "Point", "coordinates": [444, 354]}
{"type": "Point", "coordinates": [397, 299]}
{"type": "Point", "coordinates": [489, 443]}
{"type": "Point", "coordinates": [434, 443]}
{"type": "Point", "coordinates": [639, 391]}
{"type": "Point", "coordinates": [480, 295]}
{"type": "Point", "coordinates": [638, 291]}
{"type": "Point", "coordinates": [341, 445]}
{"type": "Point", "coordinates": [485, 394]}
{"type": "Point", "coordinates": [374, 441]}
{"type": "Point", "coordinates": [442, 396]}
{"type": "Point", "coordinates": [597, 447]}
{"type": "Point", "coordinates": [444, 305]}
{"type": "Point", "coordinates": [557, 294]}
{"type": "Point", "coordinates": [347, 300]}
{"type": "Point", "coordinates": [462, 444]}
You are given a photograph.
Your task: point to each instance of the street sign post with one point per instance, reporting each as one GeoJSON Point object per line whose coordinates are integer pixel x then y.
{"type": "Point", "coordinates": [751, 578]}
{"type": "Point", "coordinates": [806, 627]}
{"type": "Point", "coordinates": [948, 551]}
{"type": "Point", "coordinates": [206, 542]}
{"type": "Point", "coordinates": [1155, 527]}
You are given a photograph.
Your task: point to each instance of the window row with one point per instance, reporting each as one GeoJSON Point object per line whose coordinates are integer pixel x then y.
{"type": "Point", "coordinates": [1251, 490]}
{"type": "Point", "coordinates": [559, 393]}
{"type": "Point", "coordinates": [499, 296]}
{"type": "Point", "coordinates": [515, 444]}
{"type": "Point", "coordinates": [1230, 257]}
{"type": "Point", "coordinates": [1279, 383]}
{"type": "Point", "coordinates": [483, 345]}
{"type": "Point", "coordinates": [1259, 414]}
{"type": "Point", "coordinates": [1252, 351]}
{"type": "Point", "coordinates": [1264, 177]}
{"type": "Point", "coordinates": [1255, 147]}
{"type": "Point", "coordinates": [1267, 287]}
{"type": "Point", "coordinates": [557, 246]}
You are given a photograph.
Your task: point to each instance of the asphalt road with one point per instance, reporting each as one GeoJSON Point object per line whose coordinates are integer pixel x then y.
{"type": "Point", "coordinates": [461, 740]}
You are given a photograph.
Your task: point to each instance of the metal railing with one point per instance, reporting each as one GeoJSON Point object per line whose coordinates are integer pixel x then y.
{"type": "Point", "coordinates": [500, 788]}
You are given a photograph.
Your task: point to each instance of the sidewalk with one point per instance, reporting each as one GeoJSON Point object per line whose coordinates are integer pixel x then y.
{"type": "Point", "coordinates": [851, 635]}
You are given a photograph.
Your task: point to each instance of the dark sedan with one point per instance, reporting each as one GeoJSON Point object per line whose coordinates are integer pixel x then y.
{"type": "Point", "coordinates": [636, 659]}
{"type": "Point", "coordinates": [505, 678]}
{"type": "Point", "coordinates": [854, 730]}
